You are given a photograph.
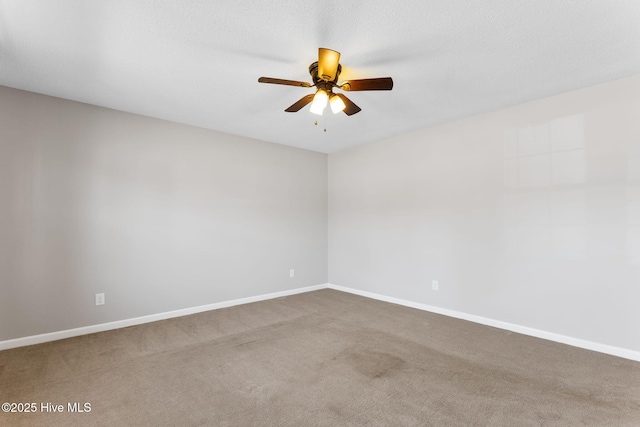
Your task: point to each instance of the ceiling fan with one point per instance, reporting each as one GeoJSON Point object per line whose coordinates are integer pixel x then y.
{"type": "Point", "coordinates": [325, 73]}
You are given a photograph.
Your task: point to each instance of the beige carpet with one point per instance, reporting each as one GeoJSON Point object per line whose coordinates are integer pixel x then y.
{"type": "Point", "coordinates": [321, 358]}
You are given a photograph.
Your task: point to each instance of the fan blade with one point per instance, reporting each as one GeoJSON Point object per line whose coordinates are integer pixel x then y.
{"type": "Point", "coordinates": [283, 82]}
{"type": "Point", "coordinates": [350, 108]}
{"type": "Point", "coordinates": [300, 103]}
{"type": "Point", "coordinates": [328, 61]}
{"type": "Point", "coordinates": [382, 83]}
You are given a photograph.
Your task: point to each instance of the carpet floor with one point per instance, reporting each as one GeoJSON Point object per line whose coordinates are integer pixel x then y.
{"type": "Point", "coordinates": [323, 358]}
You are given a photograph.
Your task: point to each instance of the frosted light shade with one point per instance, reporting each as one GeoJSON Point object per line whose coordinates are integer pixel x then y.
{"type": "Point", "coordinates": [319, 102]}
{"type": "Point", "coordinates": [337, 104]}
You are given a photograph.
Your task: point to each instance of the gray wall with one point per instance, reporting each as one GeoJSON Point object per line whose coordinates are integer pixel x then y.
{"type": "Point", "coordinates": [157, 215]}
{"type": "Point", "coordinates": [529, 215]}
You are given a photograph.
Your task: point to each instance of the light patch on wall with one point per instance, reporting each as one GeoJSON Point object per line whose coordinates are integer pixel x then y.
{"type": "Point", "coordinates": [633, 244]}
{"type": "Point", "coordinates": [541, 219]}
{"type": "Point", "coordinates": [567, 133]}
{"type": "Point", "coordinates": [533, 140]}
{"type": "Point", "coordinates": [569, 167]}
{"type": "Point", "coordinates": [633, 205]}
{"type": "Point", "coordinates": [633, 159]}
{"type": "Point", "coordinates": [607, 242]}
{"type": "Point", "coordinates": [510, 209]}
{"type": "Point", "coordinates": [533, 208]}
{"type": "Point", "coordinates": [606, 204]}
{"type": "Point", "coordinates": [510, 241]}
{"type": "Point", "coordinates": [568, 241]}
{"type": "Point", "coordinates": [534, 171]}
{"type": "Point", "coordinates": [511, 173]}
{"type": "Point", "coordinates": [568, 207]}
{"type": "Point", "coordinates": [534, 241]}
{"type": "Point", "coordinates": [546, 154]}
{"type": "Point", "coordinates": [633, 221]}
{"type": "Point", "coordinates": [510, 143]}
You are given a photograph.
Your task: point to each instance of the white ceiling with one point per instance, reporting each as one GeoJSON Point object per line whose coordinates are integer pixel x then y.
{"type": "Point", "coordinates": [197, 62]}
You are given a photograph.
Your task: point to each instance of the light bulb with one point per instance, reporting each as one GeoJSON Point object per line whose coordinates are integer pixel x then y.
{"type": "Point", "coordinates": [319, 102]}
{"type": "Point", "coordinates": [337, 104]}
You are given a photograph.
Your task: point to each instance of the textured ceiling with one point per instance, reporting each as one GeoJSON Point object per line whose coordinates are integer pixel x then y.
{"type": "Point", "coordinates": [197, 62]}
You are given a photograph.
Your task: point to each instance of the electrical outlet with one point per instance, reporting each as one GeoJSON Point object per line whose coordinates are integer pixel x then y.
{"type": "Point", "coordinates": [99, 299]}
{"type": "Point", "coordinates": [292, 273]}
{"type": "Point", "coordinates": [434, 285]}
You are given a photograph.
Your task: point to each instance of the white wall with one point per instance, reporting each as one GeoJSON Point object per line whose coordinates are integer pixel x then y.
{"type": "Point", "coordinates": [528, 215]}
{"type": "Point", "coordinates": [156, 215]}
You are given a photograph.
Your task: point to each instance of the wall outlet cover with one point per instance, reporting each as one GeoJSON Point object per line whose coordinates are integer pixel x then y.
{"type": "Point", "coordinates": [100, 299]}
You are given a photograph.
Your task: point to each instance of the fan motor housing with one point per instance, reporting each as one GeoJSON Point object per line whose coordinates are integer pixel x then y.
{"type": "Point", "coordinates": [319, 82]}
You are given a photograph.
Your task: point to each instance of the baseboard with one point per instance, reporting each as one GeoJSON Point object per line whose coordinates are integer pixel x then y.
{"type": "Point", "coordinates": [575, 342]}
{"type": "Point", "coordinates": [54, 336]}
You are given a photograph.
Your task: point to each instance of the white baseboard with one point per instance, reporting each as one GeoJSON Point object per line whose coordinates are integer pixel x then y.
{"type": "Point", "coordinates": [54, 336]}
{"type": "Point", "coordinates": [576, 342]}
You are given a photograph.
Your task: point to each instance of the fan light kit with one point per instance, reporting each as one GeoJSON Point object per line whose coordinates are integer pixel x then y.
{"type": "Point", "coordinates": [325, 73]}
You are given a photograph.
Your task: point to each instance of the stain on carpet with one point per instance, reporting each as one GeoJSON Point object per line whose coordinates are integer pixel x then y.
{"type": "Point", "coordinates": [372, 364]}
